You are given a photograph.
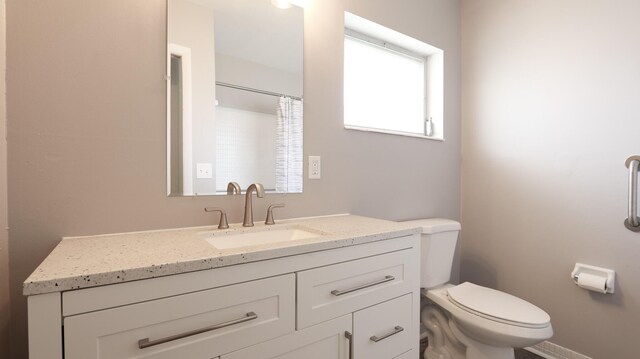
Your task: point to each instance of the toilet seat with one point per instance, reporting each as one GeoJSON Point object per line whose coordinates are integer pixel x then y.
{"type": "Point", "coordinates": [497, 306]}
{"type": "Point", "coordinates": [488, 329]}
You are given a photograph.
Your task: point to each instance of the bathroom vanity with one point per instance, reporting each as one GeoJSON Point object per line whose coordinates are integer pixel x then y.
{"type": "Point", "coordinates": [326, 287]}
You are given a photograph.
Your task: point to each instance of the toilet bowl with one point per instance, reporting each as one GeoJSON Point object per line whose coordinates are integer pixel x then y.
{"type": "Point", "coordinates": [468, 320]}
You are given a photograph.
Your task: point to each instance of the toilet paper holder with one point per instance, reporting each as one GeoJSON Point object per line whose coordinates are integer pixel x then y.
{"type": "Point", "coordinates": [605, 274]}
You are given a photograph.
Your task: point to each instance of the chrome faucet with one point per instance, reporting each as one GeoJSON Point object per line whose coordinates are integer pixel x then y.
{"type": "Point", "coordinates": [233, 188]}
{"type": "Point", "coordinates": [248, 207]}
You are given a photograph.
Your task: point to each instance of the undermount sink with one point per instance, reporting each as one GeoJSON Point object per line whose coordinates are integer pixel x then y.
{"type": "Point", "coordinates": [261, 236]}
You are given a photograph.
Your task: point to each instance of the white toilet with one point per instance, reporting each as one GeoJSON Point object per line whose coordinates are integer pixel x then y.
{"type": "Point", "coordinates": [467, 320]}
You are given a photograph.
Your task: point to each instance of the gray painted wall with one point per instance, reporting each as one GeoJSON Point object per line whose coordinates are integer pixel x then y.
{"type": "Point", "coordinates": [4, 235]}
{"type": "Point", "coordinates": [550, 113]}
{"type": "Point", "coordinates": [86, 111]}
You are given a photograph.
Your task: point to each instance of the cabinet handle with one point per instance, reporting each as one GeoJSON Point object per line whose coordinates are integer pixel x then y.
{"type": "Point", "coordinates": [338, 293]}
{"type": "Point", "coordinates": [395, 331]}
{"type": "Point", "coordinates": [349, 337]}
{"type": "Point", "coordinates": [145, 343]}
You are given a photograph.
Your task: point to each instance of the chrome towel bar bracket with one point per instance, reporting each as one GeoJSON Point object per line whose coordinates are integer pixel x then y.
{"type": "Point", "coordinates": [633, 222]}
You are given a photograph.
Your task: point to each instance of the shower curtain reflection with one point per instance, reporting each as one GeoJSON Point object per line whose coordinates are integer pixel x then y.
{"type": "Point", "coordinates": [289, 145]}
{"type": "Point", "coordinates": [258, 139]}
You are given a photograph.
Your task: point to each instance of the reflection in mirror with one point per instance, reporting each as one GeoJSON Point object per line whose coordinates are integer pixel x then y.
{"type": "Point", "coordinates": [234, 96]}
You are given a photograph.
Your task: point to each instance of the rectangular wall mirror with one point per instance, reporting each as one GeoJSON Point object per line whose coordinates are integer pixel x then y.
{"type": "Point", "coordinates": [234, 96]}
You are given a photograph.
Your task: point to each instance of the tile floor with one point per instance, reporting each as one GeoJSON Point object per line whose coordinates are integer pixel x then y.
{"type": "Point", "coordinates": [519, 353]}
{"type": "Point", "coordinates": [523, 354]}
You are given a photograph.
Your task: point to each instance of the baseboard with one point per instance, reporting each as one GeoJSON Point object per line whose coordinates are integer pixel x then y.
{"type": "Point", "coordinates": [549, 350]}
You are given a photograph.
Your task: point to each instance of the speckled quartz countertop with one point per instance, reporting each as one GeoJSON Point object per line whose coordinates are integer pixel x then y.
{"type": "Point", "coordinates": [83, 262]}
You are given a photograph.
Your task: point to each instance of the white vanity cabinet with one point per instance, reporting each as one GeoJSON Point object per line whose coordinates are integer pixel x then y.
{"type": "Point", "coordinates": [353, 302]}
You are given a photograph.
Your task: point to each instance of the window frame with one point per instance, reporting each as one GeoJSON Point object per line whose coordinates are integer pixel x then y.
{"type": "Point", "coordinates": [353, 35]}
{"type": "Point", "coordinates": [433, 71]}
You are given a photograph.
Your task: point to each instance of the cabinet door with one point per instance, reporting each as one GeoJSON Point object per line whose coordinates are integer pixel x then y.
{"type": "Point", "coordinates": [385, 330]}
{"type": "Point", "coordinates": [322, 341]}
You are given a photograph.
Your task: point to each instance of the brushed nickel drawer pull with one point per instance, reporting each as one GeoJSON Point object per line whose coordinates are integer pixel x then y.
{"type": "Point", "coordinates": [395, 331]}
{"type": "Point", "coordinates": [145, 343]}
{"type": "Point", "coordinates": [349, 337]}
{"type": "Point", "coordinates": [338, 293]}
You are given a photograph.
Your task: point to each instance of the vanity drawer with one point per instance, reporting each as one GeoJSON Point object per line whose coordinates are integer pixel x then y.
{"type": "Point", "coordinates": [335, 290]}
{"type": "Point", "coordinates": [384, 330]}
{"type": "Point", "coordinates": [196, 325]}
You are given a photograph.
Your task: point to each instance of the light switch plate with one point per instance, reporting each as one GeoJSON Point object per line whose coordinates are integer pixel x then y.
{"type": "Point", "coordinates": [314, 167]}
{"type": "Point", "coordinates": [204, 170]}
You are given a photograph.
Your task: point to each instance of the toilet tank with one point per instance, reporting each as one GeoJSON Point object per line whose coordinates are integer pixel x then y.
{"type": "Point", "coordinates": [438, 244]}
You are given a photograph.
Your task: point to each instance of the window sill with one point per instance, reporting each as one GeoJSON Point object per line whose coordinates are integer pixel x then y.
{"type": "Point", "coordinates": [390, 132]}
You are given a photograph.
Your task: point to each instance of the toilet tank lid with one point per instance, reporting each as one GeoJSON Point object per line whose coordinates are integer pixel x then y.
{"type": "Point", "coordinates": [436, 225]}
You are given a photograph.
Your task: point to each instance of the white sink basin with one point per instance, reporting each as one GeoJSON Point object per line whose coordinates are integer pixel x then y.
{"type": "Point", "coordinates": [237, 239]}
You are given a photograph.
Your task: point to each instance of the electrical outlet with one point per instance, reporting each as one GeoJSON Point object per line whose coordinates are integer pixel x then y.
{"type": "Point", "coordinates": [204, 170]}
{"type": "Point", "coordinates": [314, 167]}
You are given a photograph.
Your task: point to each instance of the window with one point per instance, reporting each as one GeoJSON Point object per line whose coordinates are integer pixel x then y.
{"type": "Point", "coordinates": [383, 88]}
{"type": "Point", "coordinates": [390, 86]}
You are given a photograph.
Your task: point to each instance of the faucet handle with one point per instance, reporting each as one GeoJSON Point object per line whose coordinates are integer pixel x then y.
{"type": "Point", "coordinates": [270, 213]}
{"type": "Point", "coordinates": [223, 216]}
